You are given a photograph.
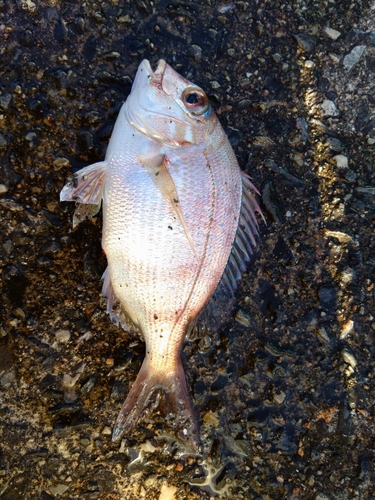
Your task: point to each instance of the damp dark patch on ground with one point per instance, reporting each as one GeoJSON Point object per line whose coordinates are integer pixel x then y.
{"type": "Point", "coordinates": [284, 391]}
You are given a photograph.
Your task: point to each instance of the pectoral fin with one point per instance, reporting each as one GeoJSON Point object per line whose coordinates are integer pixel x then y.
{"type": "Point", "coordinates": [157, 168]}
{"type": "Point", "coordinates": [85, 187]}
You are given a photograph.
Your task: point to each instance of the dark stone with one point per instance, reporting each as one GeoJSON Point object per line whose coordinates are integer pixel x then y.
{"type": "Point", "coordinates": [38, 106]}
{"type": "Point", "coordinates": [199, 389]}
{"type": "Point", "coordinates": [27, 39]}
{"type": "Point", "coordinates": [331, 394]}
{"type": "Point", "coordinates": [52, 219]}
{"type": "Point", "coordinates": [6, 359]}
{"type": "Point", "coordinates": [305, 42]}
{"type": "Point", "coordinates": [61, 32]}
{"type": "Point", "coordinates": [268, 300]}
{"type": "Point", "coordinates": [219, 383]}
{"type": "Point", "coordinates": [15, 284]}
{"type": "Point", "coordinates": [234, 136]}
{"type": "Point", "coordinates": [345, 424]}
{"type": "Point", "coordinates": [8, 175]}
{"type": "Point", "coordinates": [71, 422]}
{"type": "Point", "coordinates": [328, 298]}
{"type": "Point", "coordinates": [48, 381]}
{"type": "Point", "coordinates": [282, 251]}
{"type": "Point", "coordinates": [371, 63]}
{"type": "Point", "coordinates": [85, 142]}
{"type": "Point", "coordinates": [44, 261]}
{"type": "Point", "coordinates": [50, 248]}
{"type": "Point", "coordinates": [362, 118]}
{"type": "Point", "coordinates": [278, 126]}
{"type": "Point", "coordinates": [20, 238]}
{"type": "Point", "coordinates": [179, 9]}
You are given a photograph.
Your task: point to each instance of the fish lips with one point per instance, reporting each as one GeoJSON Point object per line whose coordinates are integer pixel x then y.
{"type": "Point", "coordinates": [165, 78]}
{"type": "Point", "coordinates": [146, 76]}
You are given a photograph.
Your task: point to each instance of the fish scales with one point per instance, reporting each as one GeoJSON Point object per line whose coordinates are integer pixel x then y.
{"type": "Point", "coordinates": [172, 192]}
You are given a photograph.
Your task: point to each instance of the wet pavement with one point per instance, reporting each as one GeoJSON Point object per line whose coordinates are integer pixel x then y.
{"type": "Point", "coordinates": [285, 389]}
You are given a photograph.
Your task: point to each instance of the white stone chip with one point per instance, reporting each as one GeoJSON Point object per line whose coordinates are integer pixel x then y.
{"type": "Point", "coordinates": [147, 447]}
{"type": "Point", "coordinates": [354, 56]}
{"type": "Point", "coordinates": [341, 161]}
{"type": "Point", "coordinates": [309, 64]}
{"type": "Point", "coordinates": [167, 492]}
{"type": "Point", "coordinates": [329, 108]}
{"type": "Point", "coordinates": [334, 34]}
{"type": "Point", "coordinates": [349, 358]}
{"type": "Point", "coordinates": [347, 328]}
{"type": "Point", "coordinates": [63, 335]}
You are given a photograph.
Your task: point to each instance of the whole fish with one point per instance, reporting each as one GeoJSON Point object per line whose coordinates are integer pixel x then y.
{"type": "Point", "coordinates": [178, 225]}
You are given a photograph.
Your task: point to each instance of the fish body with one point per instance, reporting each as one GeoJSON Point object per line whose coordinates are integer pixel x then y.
{"type": "Point", "coordinates": [177, 211]}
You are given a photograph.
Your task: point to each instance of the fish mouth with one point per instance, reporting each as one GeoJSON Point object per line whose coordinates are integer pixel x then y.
{"type": "Point", "coordinates": [156, 77]}
{"type": "Point", "coordinates": [165, 78]}
{"type": "Point", "coordinates": [153, 77]}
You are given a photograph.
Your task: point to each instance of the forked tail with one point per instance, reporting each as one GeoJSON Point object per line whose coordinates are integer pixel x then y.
{"type": "Point", "coordinates": [163, 390]}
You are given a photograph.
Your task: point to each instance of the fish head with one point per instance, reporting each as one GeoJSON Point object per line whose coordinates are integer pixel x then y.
{"type": "Point", "coordinates": [167, 107]}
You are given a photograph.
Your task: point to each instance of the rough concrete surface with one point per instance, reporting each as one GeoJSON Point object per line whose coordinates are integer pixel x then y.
{"type": "Point", "coordinates": [285, 390]}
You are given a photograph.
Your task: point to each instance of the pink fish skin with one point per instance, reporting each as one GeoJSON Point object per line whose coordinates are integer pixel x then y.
{"type": "Point", "coordinates": [178, 223]}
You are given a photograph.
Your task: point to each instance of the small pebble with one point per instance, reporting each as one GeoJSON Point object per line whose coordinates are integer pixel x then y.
{"type": "Point", "coordinates": [279, 398]}
{"type": "Point", "coordinates": [60, 162]}
{"type": "Point", "coordinates": [30, 136]}
{"type": "Point", "coordinates": [349, 358]}
{"type": "Point", "coordinates": [334, 57]}
{"type": "Point", "coordinates": [305, 42]}
{"type": "Point", "coordinates": [3, 141]}
{"type": "Point", "coordinates": [243, 318]}
{"type": "Point", "coordinates": [59, 489]}
{"type": "Point", "coordinates": [334, 34]}
{"type": "Point", "coordinates": [5, 101]}
{"type": "Point", "coordinates": [195, 52]}
{"type": "Point", "coordinates": [353, 57]}
{"type": "Point", "coordinates": [148, 447]}
{"type": "Point", "coordinates": [347, 328]}
{"type": "Point", "coordinates": [341, 161]}
{"type": "Point", "coordinates": [167, 492]}
{"type": "Point", "coordinates": [329, 108]}
{"type": "Point", "coordinates": [322, 334]}
{"type": "Point", "coordinates": [309, 64]}
{"type": "Point", "coordinates": [63, 335]}
{"type": "Point", "coordinates": [348, 275]}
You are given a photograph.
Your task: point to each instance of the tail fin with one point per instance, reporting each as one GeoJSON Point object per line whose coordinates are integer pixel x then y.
{"type": "Point", "coordinates": [166, 391]}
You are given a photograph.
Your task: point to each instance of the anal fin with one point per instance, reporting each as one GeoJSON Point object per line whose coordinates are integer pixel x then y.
{"type": "Point", "coordinates": [115, 311]}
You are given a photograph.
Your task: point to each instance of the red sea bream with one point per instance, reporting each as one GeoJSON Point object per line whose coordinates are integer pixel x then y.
{"type": "Point", "coordinates": [178, 224]}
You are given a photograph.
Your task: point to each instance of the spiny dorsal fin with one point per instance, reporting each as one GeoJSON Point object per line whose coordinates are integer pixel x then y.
{"type": "Point", "coordinates": [221, 303]}
{"type": "Point", "coordinates": [85, 187]}
{"type": "Point", "coordinates": [157, 168]}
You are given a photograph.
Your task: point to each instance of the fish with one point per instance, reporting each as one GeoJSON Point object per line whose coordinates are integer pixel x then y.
{"type": "Point", "coordinates": [179, 226]}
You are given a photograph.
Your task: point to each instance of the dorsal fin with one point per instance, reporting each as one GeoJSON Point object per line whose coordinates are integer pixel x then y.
{"type": "Point", "coordinates": [221, 303]}
{"type": "Point", "coordinates": [157, 168]}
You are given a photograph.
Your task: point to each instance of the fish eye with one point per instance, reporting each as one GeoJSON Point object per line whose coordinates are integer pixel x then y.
{"type": "Point", "coordinates": [195, 101]}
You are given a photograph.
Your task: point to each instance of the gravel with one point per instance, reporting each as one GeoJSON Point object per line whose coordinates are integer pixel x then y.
{"type": "Point", "coordinates": [284, 389]}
